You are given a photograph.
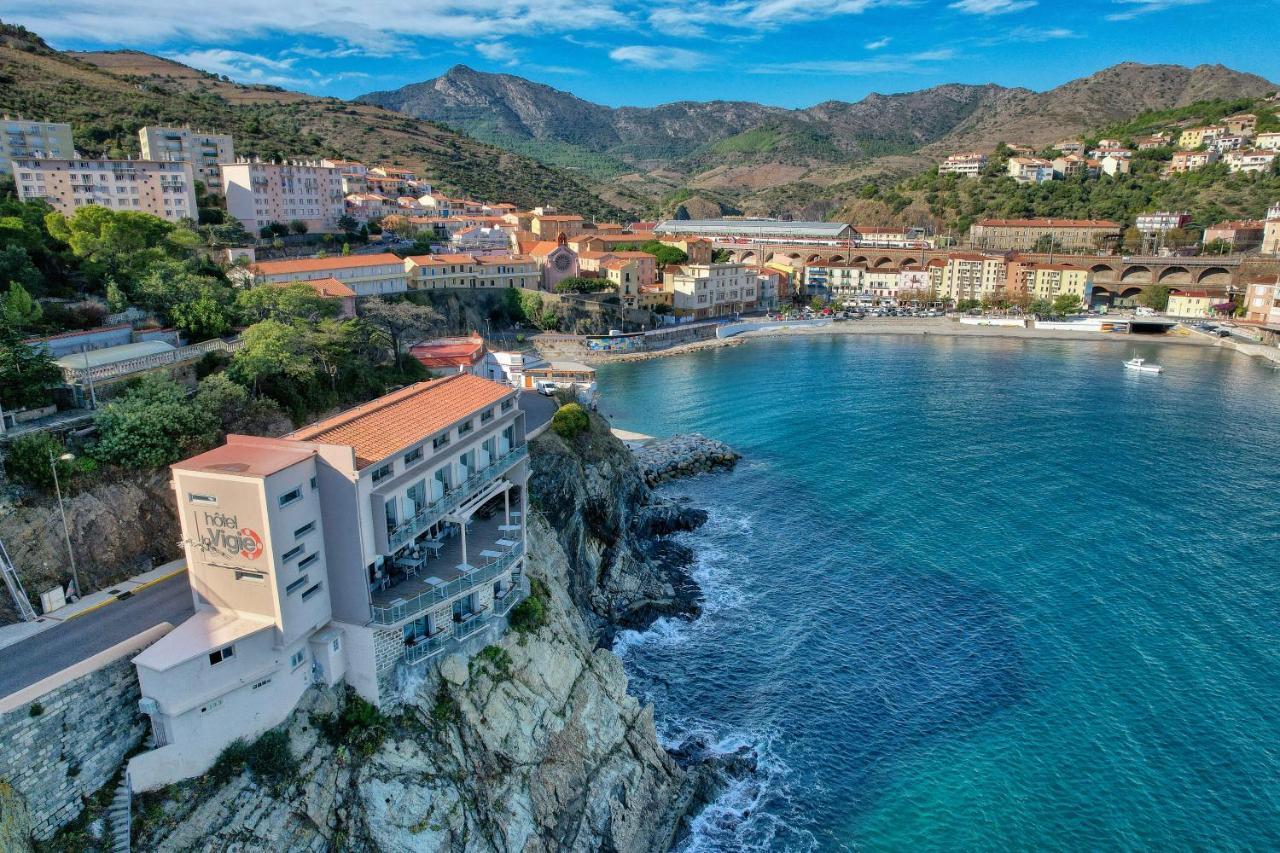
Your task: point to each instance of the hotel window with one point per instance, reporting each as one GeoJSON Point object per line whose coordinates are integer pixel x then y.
{"type": "Point", "coordinates": [296, 585]}
{"type": "Point", "coordinates": [465, 428]}
{"type": "Point", "coordinates": [507, 404]}
{"type": "Point", "coordinates": [224, 653]}
{"type": "Point", "coordinates": [312, 591]}
{"type": "Point", "coordinates": [304, 530]}
{"type": "Point", "coordinates": [413, 456]}
{"type": "Point", "coordinates": [382, 473]}
{"type": "Point", "coordinates": [298, 657]}
{"type": "Point", "coordinates": [290, 497]}
{"type": "Point", "coordinates": [201, 499]}
{"type": "Point", "coordinates": [293, 552]}
{"type": "Point", "coordinates": [440, 441]}
{"type": "Point", "coordinates": [309, 559]}
{"type": "Point", "coordinates": [252, 577]}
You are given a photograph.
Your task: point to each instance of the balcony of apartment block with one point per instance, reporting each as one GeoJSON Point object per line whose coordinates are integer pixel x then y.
{"type": "Point", "coordinates": [451, 560]}
{"type": "Point", "coordinates": [471, 491]}
{"type": "Point", "coordinates": [419, 648]}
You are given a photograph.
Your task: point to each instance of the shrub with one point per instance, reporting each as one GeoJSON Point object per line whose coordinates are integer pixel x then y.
{"type": "Point", "coordinates": [230, 761]}
{"type": "Point", "coordinates": [495, 659]}
{"type": "Point", "coordinates": [359, 725]}
{"type": "Point", "coordinates": [444, 708]}
{"type": "Point", "coordinates": [529, 615]}
{"type": "Point", "coordinates": [570, 420]}
{"type": "Point", "coordinates": [30, 460]}
{"type": "Point", "coordinates": [36, 709]}
{"type": "Point", "coordinates": [271, 760]}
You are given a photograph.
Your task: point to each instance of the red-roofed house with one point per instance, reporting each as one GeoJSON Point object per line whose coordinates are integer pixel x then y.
{"type": "Point", "coordinates": [357, 550]}
{"type": "Point", "coordinates": [366, 275]}
{"type": "Point", "coordinates": [452, 355]}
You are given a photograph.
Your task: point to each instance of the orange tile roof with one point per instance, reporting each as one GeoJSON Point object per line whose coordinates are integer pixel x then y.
{"type": "Point", "coordinates": [387, 425]}
{"type": "Point", "coordinates": [1054, 223]}
{"type": "Point", "coordinates": [544, 247]}
{"type": "Point", "coordinates": [328, 287]}
{"type": "Point", "coordinates": [337, 262]}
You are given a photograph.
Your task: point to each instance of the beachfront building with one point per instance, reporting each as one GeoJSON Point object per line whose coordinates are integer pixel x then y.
{"type": "Point", "coordinates": [711, 290]}
{"type": "Point", "coordinates": [260, 194]}
{"type": "Point", "coordinates": [1063, 234]}
{"type": "Point", "coordinates": [364, 275]}
{"type": "Point", "coordinates": [1049, 281]}
{"type": "Point", "coordinates": [357, 549]}
{"type": "Point", "coordinates": [163, 189]}
{"type": "Point", "coordinates": [442, 272]}
{"type": "Point", "coordinates": [1189, 303]}
{"type": "Point", "coordinates": [1262, 301]}
{"type": "Point", "coordinates": [969, 275]}
{"type": "Point", "coordinates": [204, 151]}
{"type": "Point", "coordinates": [838, 282]}
{"type": "Point", "coordinates": [23, 139]}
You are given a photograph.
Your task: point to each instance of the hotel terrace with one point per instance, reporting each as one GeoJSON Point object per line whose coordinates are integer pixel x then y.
{"type": "Point", "coordinates": [357, 549]}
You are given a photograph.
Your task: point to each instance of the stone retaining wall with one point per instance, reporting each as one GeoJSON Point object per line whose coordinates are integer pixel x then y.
{"type": "Point", "coordinates": [683, 456]}
{"type": "Point", "coordinates": [74, 745]}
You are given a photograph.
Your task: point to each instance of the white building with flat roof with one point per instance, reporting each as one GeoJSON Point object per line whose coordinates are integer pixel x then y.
{"type": "Point", "coordinates": [358, 549]}
{"type": "Point", "coordinates": [163, 189]}
{"type": "Point", "coordinates": [204, 151]}
{"type": "Point", "coordinates": [260, 194]}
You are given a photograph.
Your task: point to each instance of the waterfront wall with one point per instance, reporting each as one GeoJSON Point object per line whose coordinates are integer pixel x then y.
{"type": "Point", "coordinates": [1016, 322]}
{"type": "Point", "coordinates": [731, 329]}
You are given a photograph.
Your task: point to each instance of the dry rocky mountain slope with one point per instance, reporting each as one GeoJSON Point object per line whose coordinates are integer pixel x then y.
{"type": "Point", "coordinates": [107, 96]}
{"type": "Point", "coordinates": [739, 151]}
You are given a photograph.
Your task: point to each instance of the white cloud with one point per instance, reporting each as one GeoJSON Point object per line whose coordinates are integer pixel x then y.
{"type": "Point", "coordinates": [245, 67]}
{"type": "Point", "coordinates": [1146, 7]}
{"type": "Point", "coordinates": [498, 51]}
{"type": "Point", "coordinates": [1029, 35]}
{"type": "Point", "coordinates": [879, 43]}
{"type": "Point", "coordinates": [654, 58]}
{"type": "Point", "coordinates": [884, 64]}
{"type": "Point", "coordinates": [692, 19]}
{"type": "Point", "coordinates": [991, 7]}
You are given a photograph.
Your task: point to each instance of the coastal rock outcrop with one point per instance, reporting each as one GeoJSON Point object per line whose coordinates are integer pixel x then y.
{"type": "Point", "coordinates": [683, 456]}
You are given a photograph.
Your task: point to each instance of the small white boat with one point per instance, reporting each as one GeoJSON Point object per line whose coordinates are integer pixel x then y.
{"type": "Point", "coordinates": [1141, 366]}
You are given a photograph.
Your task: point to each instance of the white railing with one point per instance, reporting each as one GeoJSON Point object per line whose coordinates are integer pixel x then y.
{"type": "Point", "coordinates": [73, 375]}
{"type": "Point", "coordinates": [445, 640]}
{"type": "Point", "coordinates": [437, 509]}
{"type": "Point", "coordinates": [391, 614]}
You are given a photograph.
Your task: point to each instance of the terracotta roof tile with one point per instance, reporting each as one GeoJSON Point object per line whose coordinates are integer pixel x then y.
{"type": "Point", "coordinates": [318, 264]}
{"type": "Point", "coordinates": [329, 287]}
{"type": "Point", "coordinates": [387, 425]}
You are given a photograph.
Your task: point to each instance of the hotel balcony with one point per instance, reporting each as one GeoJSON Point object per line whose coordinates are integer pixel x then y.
{"type": "Point", "coordinates": [474, 488]}
{"type": "Point", "coordinates": [447, 639]}
{"type": "Point", "coordinates": [435, 571]}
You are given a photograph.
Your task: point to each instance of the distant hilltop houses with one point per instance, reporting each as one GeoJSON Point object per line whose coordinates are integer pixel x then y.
{"type": "Point", "coordinates": [1234, 141]}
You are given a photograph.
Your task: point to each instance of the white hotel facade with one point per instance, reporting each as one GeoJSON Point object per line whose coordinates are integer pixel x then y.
{"type": "Point", "coordinates": [358, 549]}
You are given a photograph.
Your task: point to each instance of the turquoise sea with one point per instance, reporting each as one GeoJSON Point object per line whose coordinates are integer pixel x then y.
{"type": "Point", "coordinates": [976, 594]}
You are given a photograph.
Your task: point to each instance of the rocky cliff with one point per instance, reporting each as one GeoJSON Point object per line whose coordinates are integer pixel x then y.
{"type": "Point", "coordinates": [533, 745]}
{"type": "Point", "coordinates": [119, 528]}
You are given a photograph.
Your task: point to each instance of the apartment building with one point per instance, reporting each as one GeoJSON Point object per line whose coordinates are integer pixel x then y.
{"type": "Point", "coordinates": [836, 281]}
{"type": "Point", "coordinates": [1156, 140]}
{"type": "Point", "coordinates": [24, 139]}
{"type": "Point", "coordinates": [972, 276]}
{"type": "Point", "coordinates": [440, 272]}
{"type": "Point", "coordinates": [1073, 165]}
{"type": "Point", "coordinates": [624, 274]}
{"type": "Point", "coordinates": [1243, 123]}
{"type": "Point", "coordinates": [1049, 281]}
{"type": "Point", "coordinates": [163, 189]}
{"type": "Point", "coordinates": [1196, 304]}
{"type": "Point", "coordinates": [711, 290]}
{"type": "Point", "coordinates": [551, 226]}
{"type": "Point", "coordinates": [357, 549]}
{"type": "Point", "coordinates": [1114, 163]}
{"type": "Point", "coordinates": [1189, 161]}
{"type": "Point", "coordinates": [1030, 170]}
{"type": "Point", "coordinates": [1262, 301]}
{"type": "Point", "coordinates": [204, 151]}
{"type": "Point", "coordinates": [365, 275]}
{"type": "Point", "coordinates": [1161, 221]}
{"type": "Point", "coordinates": [353, 174]}
{"type": "Point", "coordinates": [1023, 234]}
{"type": "Point", "coordinates": [970, 164]}
{"type": "Point", "coordinates": [259, 194]}
{"type": "Point", "coordinates": [1250, 161]}
{"type": "Point", "coordinates": [1268, 141]}
{"type": "Point", "coordinates": [1070, 146]}
{"type": "Point", "coordinates": [1239, 234]}
{"type": "Point", "coordinates": [591, 261]}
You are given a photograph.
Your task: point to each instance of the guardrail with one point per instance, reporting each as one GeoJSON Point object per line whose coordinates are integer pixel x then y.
{"type": "Point", "coordinates": [427, 648]}
{"type": "Point", "coordinates": [392, 614]}
{"type": "Point", "coordinates": [434, 511]}
{"type": "Point", "coordinates": [147, 362]}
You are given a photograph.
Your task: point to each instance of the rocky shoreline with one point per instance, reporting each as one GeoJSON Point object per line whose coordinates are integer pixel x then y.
{"type": "Point", "coordinates": [683, 456]}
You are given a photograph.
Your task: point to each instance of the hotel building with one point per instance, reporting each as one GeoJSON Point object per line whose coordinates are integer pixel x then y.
{"type": "Point", "coordinates": [710, 290]}
{"type": "Point", "coordinates": [162, 189]}
{"type": "Point", "coordinates": [438, 272]}
{"type": "Point", "coordinates": [204, 151]}
{"type": "Point", "coordinates": [365, 275]}
{"type": "Point", "coordinates": [259, 194]}
{"type": "Point", "coordinates": [1069, 234]}
{"type": "Point", "coordinates": [23, 138]}
{"type": "Point", "coordinates": [357, 549]}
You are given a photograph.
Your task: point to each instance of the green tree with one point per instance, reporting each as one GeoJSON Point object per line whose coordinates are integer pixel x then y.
{"type": "Point", "coordinates": [1155, 297]}
{"type": "Point", "coordinates": [199, 304]}
{"type": "Point", "coordinates": [1066, 303]}
{"type": "Point", "coordinates": [18, 309]}
{"type": "Point", "coordinates": [582, 284]}
{"type": "Point", "coordinates": [27, 374]}
{"type": "Point", "coordinates": [151, 424]}
{"type": "Point", "coordinates": [398, 321]}
{"type": "Point", "coordinates": [570, 420]}
{"type": "Point", "coordinates": [271, 350]}
{"type": "Point", "coordinates": [1041, 307]}
{"type": "Point", "coordinates": [16, 267]}
{"type": "Point", "coordinates": [297, 226]}
{"type": "Point", "coordinates": [116, 300]}
{"type": "Point", "coordinates": [1218, 247]}
{"type": "Point", "coordinates": [293, 301]}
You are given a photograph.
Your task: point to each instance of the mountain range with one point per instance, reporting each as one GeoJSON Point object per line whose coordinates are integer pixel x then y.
{"type": "Point", "coordinates": [746, 152]}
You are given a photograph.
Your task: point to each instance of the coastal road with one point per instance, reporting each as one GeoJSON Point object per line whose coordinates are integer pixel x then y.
{"type": "Point", "coordinates": [57, 648]}
{"type": "Point", "coordinates": [537, 409]}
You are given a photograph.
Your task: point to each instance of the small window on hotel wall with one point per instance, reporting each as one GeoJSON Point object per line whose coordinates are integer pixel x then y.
{"type": "Point", "coordinates": [291, 496]}
{"type": "Point", "coordinates": [382, 473]}
{"type": "Point", "coordinates": [465, 428]}
{"type": "Point", "coordinates": [507, 404]}
{"type": "Point", "coordinates": [440, 441]}
{"type": "Point", "coordinates": [413, 456]}
{"type": "Point", "coordinates": [486, 416]}
{"type": "Point", "coordinates": [252, 577]}
{"type": "Point", "coordinates": [298, 657]}
{"type": "Point", "coordinates": [201, 499]}
{"type": "Point", "coordinates": [224, 653]}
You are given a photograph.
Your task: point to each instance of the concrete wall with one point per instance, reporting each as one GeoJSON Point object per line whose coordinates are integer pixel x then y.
{"type": "Point", "coordinates": [74, 746]}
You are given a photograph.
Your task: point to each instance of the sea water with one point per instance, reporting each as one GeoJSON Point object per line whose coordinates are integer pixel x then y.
{"type": "Point", "coordinates": [976, 594]}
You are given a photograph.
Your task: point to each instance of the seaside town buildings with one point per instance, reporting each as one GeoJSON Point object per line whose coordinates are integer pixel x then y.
{"type": "Point", "coordinates": [710, 290]}
{"type": "Point", "coordinates": [1262, 301]}
{"type": "Point", "coordinates": [25, 139]}
{"type": "Point", "coordinates": [1195, 304]}
{"type": "Point", "coordinates": [204, 151]}
{"type": "Point", "coordinates": [1030, 170]}
{"type": "Point", "coordinates": [260, 194]}
{"type": "Point", "coordinates": [970, 164]}
{"type": "Point", "coordinates": [160, 188]}
{"type": "Point", "coordinates": [435, 272]}
{"type": "Point", "coordinates": [1161, 221]}
{"type": "Point", "coordinates": [1023, 234]}
{"type": "Point", "coordinates": [356, 550]}
{"type": "Point", "coordinates": [1189, 161]}
{"type": "Point", "coordinates": [1239, 234]}
{"type": "Point", "coordinates": [364, 275]}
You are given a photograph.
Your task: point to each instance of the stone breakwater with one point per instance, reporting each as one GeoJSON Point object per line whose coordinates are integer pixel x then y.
{"type": "Point", "coordinates": [683, 456]}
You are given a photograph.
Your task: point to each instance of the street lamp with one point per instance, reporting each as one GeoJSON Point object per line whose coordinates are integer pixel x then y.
{"type": "Point", "coordinates": [66, 532]}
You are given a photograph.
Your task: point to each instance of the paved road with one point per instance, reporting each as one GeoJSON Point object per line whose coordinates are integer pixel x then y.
{"type": "Point", "coordinates": [537, 409]}
{"type": "Point", "coordinates": [25, 663]}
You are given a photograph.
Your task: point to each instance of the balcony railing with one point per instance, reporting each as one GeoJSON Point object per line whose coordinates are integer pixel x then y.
{"type": "Point", "coordinates": [426, 648]}
{"type": "Point", "coordinates": [437, 509]}
{"type": "Point", "coordinates": [391, 614]}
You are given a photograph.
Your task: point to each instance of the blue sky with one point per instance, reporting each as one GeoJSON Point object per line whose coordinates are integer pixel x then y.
{"type": "Point", "coordinates": [786, 52]}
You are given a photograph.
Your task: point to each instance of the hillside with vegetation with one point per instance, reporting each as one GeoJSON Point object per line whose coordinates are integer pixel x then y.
{"type": "Point", "coordinates": [108, 96]}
